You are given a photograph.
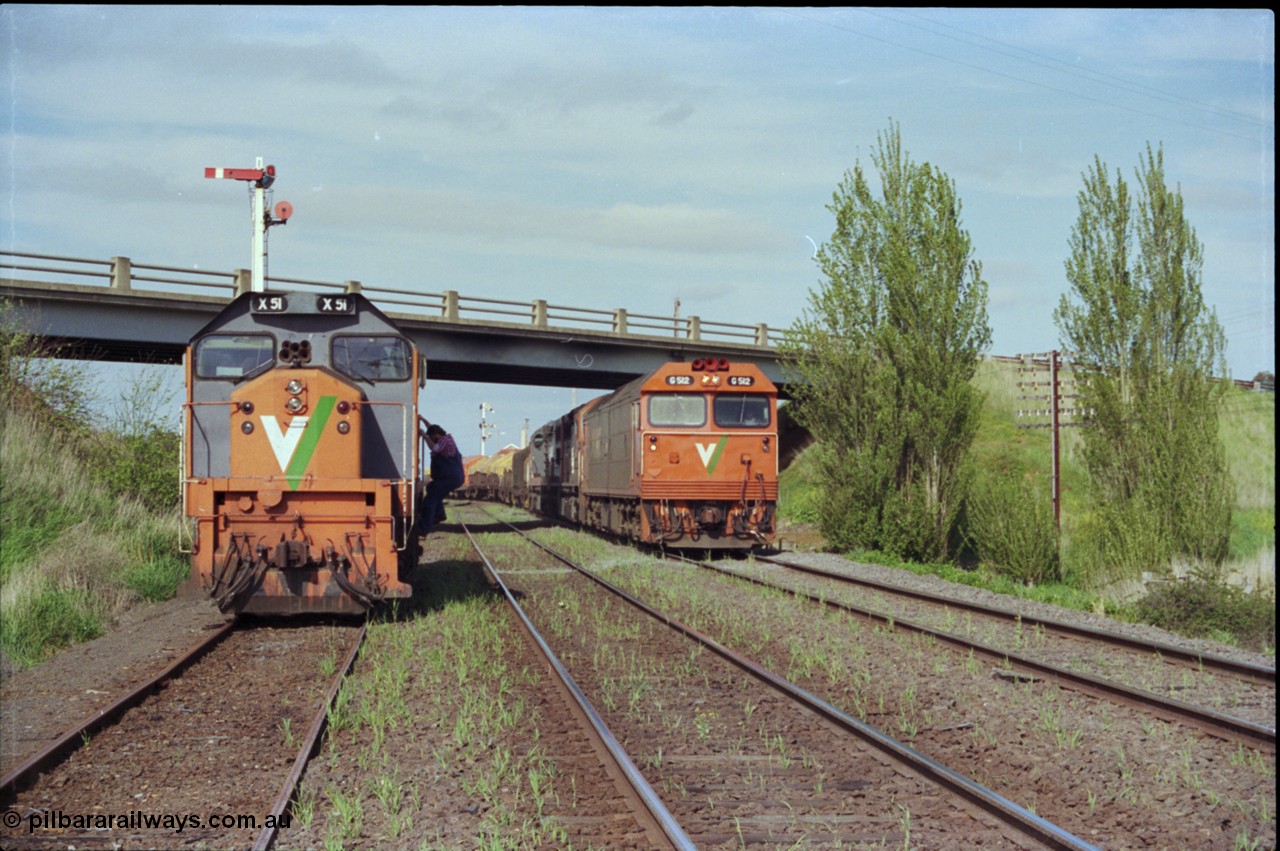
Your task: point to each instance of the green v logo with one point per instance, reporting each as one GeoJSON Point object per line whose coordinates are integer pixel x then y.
{"type": "Point", "coordinates": [710, 453]}
{"type": "Point", "coordinates": [296, 443]}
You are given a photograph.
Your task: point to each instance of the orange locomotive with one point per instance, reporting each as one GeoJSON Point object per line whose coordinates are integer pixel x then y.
{"type": "Point", "coordinates": [302, 459]}
{"type": "Point", "coordinates": [685, 457]}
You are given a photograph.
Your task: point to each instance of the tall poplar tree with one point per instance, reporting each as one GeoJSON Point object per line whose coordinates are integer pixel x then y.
{"type": "Point", "coordinates": [882, 358]}
{"type": "Point", "coordinates": [1149, 347]}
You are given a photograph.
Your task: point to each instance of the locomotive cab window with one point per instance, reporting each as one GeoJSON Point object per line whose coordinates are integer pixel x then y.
{"type": "Point", "coordinates": [373, 358]}
{"type": "Point", "coordinates": [741, 410]}
{"type": "Point", "coordinates": [687, 410]}
{"type": "Point", "coordinates": [233, 355]}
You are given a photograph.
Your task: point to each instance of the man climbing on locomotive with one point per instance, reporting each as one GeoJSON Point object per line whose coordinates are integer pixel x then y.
{"type": "Point", "coordinates": [446, 475]}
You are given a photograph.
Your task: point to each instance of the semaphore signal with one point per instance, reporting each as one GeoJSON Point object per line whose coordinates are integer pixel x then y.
{"type": "Point", "coordinates": [261, 179]}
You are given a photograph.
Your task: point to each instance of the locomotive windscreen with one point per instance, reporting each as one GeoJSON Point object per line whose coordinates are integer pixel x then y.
{"type": "Point", "coordinates": [372, 358]}
{"type": "Point", "coordinates": [741, 410]}
{"type": "Point", "coordinates": [677, 409]}
{"type": "Point", "coordinates": [233, 355]}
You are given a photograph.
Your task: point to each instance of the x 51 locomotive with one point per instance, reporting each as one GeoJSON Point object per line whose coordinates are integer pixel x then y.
{"type": "Point", "coordinates": [302, 468]}
{"type": "Point", "coordinates": [685, 457]}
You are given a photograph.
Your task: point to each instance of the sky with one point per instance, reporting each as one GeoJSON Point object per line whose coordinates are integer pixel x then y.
{"type": "Point", "coordinates": [628, 157]}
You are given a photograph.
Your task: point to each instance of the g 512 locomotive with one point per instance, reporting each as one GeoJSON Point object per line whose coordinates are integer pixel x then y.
{"type": "Point", "coordinates": [684, 457]}
{"type": "Point", "coordinates": [302, 467]}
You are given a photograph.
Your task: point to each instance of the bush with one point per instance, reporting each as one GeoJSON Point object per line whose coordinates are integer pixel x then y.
{"type": "Point", "coordinates": [1010, 525]}
{"type": "Point", "coordinates": [799, 499]}
{"type": "Point", "coordinates": [1202, 607]}
{"type": "Point", "coordinates": [33, 380]}
{"type": "Point", "coordinates": [1117, 541]}
{"type": "Point", "coordinates": [144, 466]}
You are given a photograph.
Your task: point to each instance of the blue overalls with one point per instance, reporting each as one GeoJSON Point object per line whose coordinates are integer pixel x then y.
{"type": "Point", "coordinates": [446, 475]}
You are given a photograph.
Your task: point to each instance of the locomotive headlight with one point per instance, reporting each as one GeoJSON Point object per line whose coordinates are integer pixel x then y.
{"type": "Point", "coordinates": [294, 404]}
{"type": "Point", "coordinates": [294, 386]}
{"type": "Point", "coordinates": [653, 443]}
{"type": "Point", "coordinates": [343, 427]}
{"type": "Point", "coordinates": [246, 407]}
{"type": "Point", "coordinates": [246, 427]}
{"type": "Point", "coordinates": [344, 407]}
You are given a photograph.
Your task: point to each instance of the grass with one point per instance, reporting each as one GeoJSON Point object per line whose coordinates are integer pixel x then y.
{"type": "Point", "coordinates": [78, 544]}
{"type": "Point", "coordinates": [435, 693]}
{"type": "Point", "coordinates": [73, 556]}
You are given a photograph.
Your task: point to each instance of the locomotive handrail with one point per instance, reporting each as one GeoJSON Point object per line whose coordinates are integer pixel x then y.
{"type": "Point", "coordinates": [186, 543]}
{"type": "Point", "coordinates": [407, 464]}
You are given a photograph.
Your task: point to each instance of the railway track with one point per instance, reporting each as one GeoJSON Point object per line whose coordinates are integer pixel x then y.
{"type": "Point", "coordinates": [742, 756]}
{"type": "Point", "coordinates": [1099, 770]}
{"type": "Point", "coordinates": [638, 799]}
{"type": "Point", "coordinates": [190, 755]}
{"type": "Point", "coordinates": [1264, 675]}
{"type": "Point", "coordinates": [1011, 657]}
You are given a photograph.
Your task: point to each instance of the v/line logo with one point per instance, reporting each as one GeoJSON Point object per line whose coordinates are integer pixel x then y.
{"type": "Point", "coordinates": [710, 453]}
{"type": "Point", "coordinates": [296, 442]}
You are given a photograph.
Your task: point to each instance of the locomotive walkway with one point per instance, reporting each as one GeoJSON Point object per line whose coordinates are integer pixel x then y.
{"type": "Point", "coordinates": [118, 310]}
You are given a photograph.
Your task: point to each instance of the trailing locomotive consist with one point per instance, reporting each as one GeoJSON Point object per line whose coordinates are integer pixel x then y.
{"type": "Point", "coordinates": [685, 457]}
{"type": "Point", "coordinates": [302, 454]}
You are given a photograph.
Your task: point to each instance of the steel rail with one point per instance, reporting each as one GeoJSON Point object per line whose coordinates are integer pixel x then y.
{"type": "Point", "coordinates": [22, 776]}
{"type": "Point", "coordinates": [1210, 721]}
{"type": "Point", "coordinates": [1234, 667]}
{"type": "Point", "coordinates": [1009, 813]}
{"type": "Point", "coordinates": [660, 822]}
{"type": "Point", "coordinates": [309, 747]}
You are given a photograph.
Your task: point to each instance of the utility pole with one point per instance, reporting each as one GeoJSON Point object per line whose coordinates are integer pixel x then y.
{"type": "Point", "coordinates": [1055, 412]}
{"type": "Point", "coordinates": [260, 179]}
{"type": "Point", "coordinates": [486, 428]}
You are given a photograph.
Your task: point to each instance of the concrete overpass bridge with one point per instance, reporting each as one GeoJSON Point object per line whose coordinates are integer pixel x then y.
{"type": "Point", "coordinates": [118, 310]}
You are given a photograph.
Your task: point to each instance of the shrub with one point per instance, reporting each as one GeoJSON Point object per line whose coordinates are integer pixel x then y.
{"type": "Point", "coordinates": [1116, 541]}
{"type": "Point", "coordinates": [144, 466]}
{"type": "Point", "coordinates": [33, 380]}
{"type": "Point", "coordinates": [1203, 607]}
{"type": "Point", "coordinates": [1011, 527]}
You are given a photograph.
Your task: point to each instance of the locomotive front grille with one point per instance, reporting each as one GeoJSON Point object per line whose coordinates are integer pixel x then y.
{"type": "Point", "coordinates": [707, 490]}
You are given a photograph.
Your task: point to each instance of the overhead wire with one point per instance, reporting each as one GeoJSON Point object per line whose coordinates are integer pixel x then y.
{"type": "Point", "coordinates": [1030, 82]}
{"type": "Point", "coordinates": [1059, 66]}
